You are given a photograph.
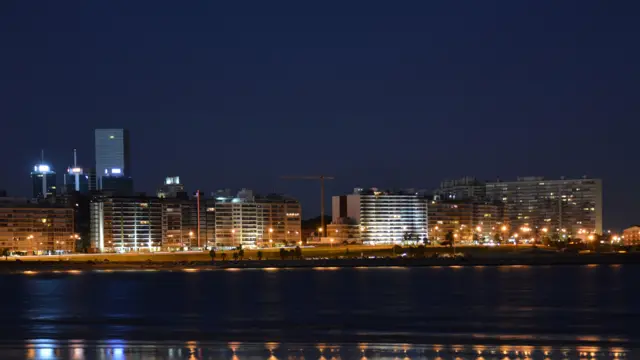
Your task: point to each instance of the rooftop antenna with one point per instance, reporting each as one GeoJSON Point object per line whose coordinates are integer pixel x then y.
{"type": "Point", "coordinates": [75, 158]}
{"type": "Point", "coordinates": [42, 156]}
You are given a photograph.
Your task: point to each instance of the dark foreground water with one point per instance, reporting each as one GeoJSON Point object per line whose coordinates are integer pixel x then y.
{"type": "Point", "coordinates": [509, 312]}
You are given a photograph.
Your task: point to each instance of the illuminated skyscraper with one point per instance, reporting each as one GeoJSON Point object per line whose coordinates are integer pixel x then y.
{"type": "Point", "coordinates": [75, 179]}
{"type": "Point", "coordinates": [43, 179]}
{"type": "Point", "coordinates": [112, 154]}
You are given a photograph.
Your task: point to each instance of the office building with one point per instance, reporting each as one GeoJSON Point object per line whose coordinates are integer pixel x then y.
{"type": "Point", "coordinates": [385, 217]}
{"type": "Point", "coordinates": [281, 218]}
{"type": "Point", "coordinates": [113, 157]}
{"type": "Point", "coordinates": [568, 206]}
{"type": "Point", "coordinates": [461, 189]}
{"type": "Point", "coordinates": [117, 185]}
{"type": "Point", "coordinates": [36, 228]}
{"type": "Point", "coordinates": [171, 188]}
{"type": "Point", "coordinates": [92, 179]}
{"type": "Point", "coordinates": [43, 180]}
{"type": "Point", "coordinates": [75, 180]}
{"type": "Point", "coordinates": [126, 224]}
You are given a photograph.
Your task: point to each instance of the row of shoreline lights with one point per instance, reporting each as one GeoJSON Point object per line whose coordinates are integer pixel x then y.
{"type": "Point", "coordinates": [526, 229]}
{"type": "Point", "coordinates": [233, 232]}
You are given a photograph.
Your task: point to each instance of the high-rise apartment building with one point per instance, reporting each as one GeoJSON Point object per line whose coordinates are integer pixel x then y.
{"type": "Point", "coordinates": [572, 206]}
{"type": "Point", "coordinates": [180, 223]}
{"type": "Point", "coordinates": [465, 188]}
{"type": "Point", "coordinates": [113, 157]}
{"type": "Point", "coordinates": [250, 220]}
{"type": "Point", "coordinates": [126, 224]}
{"type": "Point", "coordinates": [239, 220]}
{"type": "Point", "coordinates": [36, 228]}
{"type": "Point", "coordinates": [281, 218]}
{"type": "Point", "coordinates": [385, 216]}
{"type": "Point", "coordinates": [469, 221]}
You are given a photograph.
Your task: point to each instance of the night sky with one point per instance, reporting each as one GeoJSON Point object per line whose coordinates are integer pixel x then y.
{"type": "Point", "coordinates": [389, 94]}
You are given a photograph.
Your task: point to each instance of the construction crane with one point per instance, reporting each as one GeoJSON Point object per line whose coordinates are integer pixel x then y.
{"type": "Point", "coordinates": [322, 178]}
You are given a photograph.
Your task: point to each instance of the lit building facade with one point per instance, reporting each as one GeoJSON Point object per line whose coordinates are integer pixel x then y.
{"type": "Point", "coordinates": [171, 188]}
{"type": "Point", "coordinates": [461, 189]}
{"type": "Point", "coordinates": [468, 221]}
{"type": "Point", "coordinates": [180, 223]}
{"type": "Point", "coordinates": [43, 180]}
{"type": "Point", "coordinates": [385, 217]}
{"type": "Point", "coordinates": [239, 221]}
{"type": "Point", "coordinates": [31, 228]}
{"type": "Point", "coordinates": [126, 224]}
{"type": "Point", "coordinates": [569, 206]}
{"type": "Point", "coordinates": [344, 230]}
{"type": "Point", "coordinates": [256, 221]}
{"type": "Point", "coordinates": [631, 236]}
{"type": "Point", "coordinates": [75, 180]}
{"type": "Point", "coordinates": [112, 154]}
{"type": "Point", "coordinates": [281, 221]}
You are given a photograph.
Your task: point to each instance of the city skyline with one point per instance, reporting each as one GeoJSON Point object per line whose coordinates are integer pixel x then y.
{"type": "Point", "coordinates": [376, 96]}
{"type": "Point", "coordinates": [463, 184]}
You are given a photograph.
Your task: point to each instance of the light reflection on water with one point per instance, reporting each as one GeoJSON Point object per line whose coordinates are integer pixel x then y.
{"type": "Point", "coordinates": [595, 308]}
{"type": "Point", "coordinates": [119, 350]}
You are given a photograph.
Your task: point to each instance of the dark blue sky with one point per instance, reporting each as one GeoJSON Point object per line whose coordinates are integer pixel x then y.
{"type": "Point", "coordinates": [388, 94]}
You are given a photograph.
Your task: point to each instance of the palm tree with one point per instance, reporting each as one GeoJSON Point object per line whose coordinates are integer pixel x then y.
{"type": "Point", "coordinates": [496, 238]}
{"type": "Point", "coordinates": [283, 253]}
{"type": "Point", "coordinates": [259, 254]}
{"type": "Point", "coordinates": [6, 253]}
{"type": "Point", "coordinates": [449, 238]}
{"type": "Point", "coordinates": [298, 252]}
{"type": "Point", "coordinates": [212, 253]}
{"type": "Point", "coordinates": [224, 256]}
{"type": "Point", "coordinates": [235, 256]}
{"type": "Point", "coordinates": [241, 254]}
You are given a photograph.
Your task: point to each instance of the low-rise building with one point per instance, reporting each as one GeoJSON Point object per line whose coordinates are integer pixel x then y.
{"type": "Point", "coordinates": [631, 236]}
{"type": "Point", "coordinates": [36, 228]}
{"type": "Point", "coordinates": [344, 230]}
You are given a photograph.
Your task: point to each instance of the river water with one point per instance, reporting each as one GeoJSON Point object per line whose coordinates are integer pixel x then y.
{"type": "Point", "coordinates": [449, 312]}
